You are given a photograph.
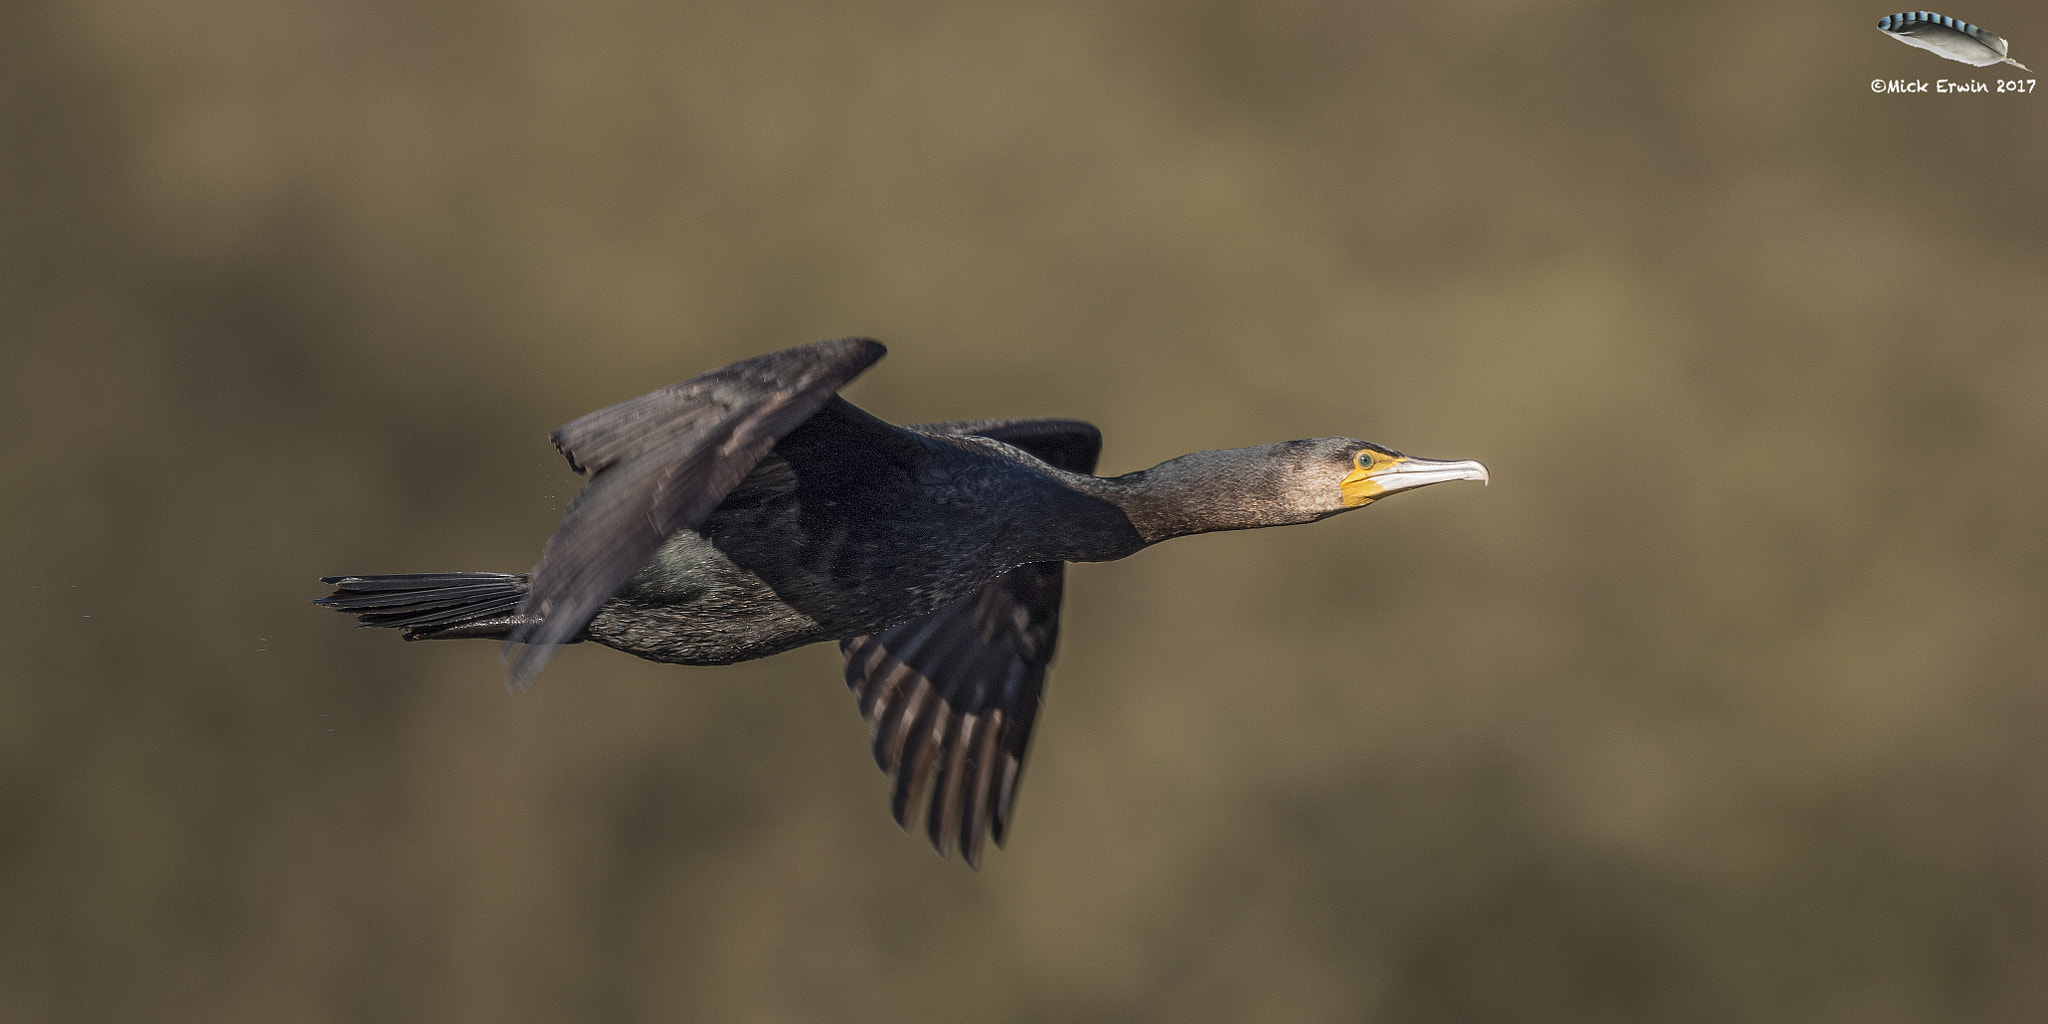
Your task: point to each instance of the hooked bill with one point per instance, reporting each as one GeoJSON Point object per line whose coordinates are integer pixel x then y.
{"type": "Point", "coordinates": [1951, 37]}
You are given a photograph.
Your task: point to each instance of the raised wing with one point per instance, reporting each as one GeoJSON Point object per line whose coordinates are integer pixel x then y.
{"type": "Point", "coordinates": [952, 695]}
{"type": "Point", "coordinates": [661, 463]}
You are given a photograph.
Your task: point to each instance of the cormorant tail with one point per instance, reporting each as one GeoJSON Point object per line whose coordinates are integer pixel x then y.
{"type": "Point", "coordinates": [433, 605]}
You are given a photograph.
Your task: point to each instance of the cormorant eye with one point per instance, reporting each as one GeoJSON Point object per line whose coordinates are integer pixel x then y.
{"type": "Point", "coordinates": [1365, 460]}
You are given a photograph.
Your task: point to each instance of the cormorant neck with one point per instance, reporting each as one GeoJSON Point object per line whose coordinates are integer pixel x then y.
{"type": "Point", "coordinates": [1235, 489]}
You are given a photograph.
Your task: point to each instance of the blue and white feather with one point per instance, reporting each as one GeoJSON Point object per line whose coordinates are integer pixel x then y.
{"type": "Point", "coordinates": [1953, 38]}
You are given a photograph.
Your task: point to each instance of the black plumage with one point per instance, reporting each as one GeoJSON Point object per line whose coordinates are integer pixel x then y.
{"type": "Point", "coordinates": [751, 510]}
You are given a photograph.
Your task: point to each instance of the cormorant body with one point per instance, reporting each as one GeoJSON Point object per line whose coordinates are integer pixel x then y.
{"type": "Point", "coordinates": [851, 525]}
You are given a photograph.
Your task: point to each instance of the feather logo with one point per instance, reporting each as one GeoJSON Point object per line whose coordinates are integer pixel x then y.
{"type": "Point", "coordinates": [1950, 37]}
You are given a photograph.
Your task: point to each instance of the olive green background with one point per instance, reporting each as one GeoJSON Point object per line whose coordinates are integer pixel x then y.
{"type": "Point", "coordinates": [1725, 702]}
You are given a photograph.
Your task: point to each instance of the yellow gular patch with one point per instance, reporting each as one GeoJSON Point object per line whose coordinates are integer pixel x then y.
{"type": "Point", "coordinates": [1359, 487]}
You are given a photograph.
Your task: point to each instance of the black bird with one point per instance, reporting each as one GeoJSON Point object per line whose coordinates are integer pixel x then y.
{"type": "Point", "coordinates": [750, 510]}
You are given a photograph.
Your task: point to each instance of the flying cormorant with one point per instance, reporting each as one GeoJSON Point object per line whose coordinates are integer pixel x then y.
{"type": "Point", "coordinates": [750, 510]}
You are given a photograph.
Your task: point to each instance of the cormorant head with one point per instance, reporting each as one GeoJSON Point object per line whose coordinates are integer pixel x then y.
{"type": "Point", "coordinates": [1311, 480]}
{"type": "Point", "coordinates": [1272, 485]}
{"type": "Point", "coordinates": [1369, 472]}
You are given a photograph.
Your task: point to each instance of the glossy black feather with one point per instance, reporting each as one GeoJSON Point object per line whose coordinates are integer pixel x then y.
{"type": "Point", "coordinates": [955, 692]}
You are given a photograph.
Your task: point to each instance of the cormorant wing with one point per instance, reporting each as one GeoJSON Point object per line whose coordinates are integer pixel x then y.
{"type": "Point", "coordinates": [661, 463]}
{"type": "Point", "coordinates": [959, 687]}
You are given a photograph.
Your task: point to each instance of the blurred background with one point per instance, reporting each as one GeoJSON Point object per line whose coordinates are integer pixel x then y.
{"type": "Point", "coordinates": [1725, 702]}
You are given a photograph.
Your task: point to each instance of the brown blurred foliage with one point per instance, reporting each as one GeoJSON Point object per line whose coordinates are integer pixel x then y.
{"type": "Point", "coordinates": [1724, 703]}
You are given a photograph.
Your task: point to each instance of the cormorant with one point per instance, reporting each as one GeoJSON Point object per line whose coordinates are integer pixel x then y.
{"type": "Point", "coordinates": [751, 510]}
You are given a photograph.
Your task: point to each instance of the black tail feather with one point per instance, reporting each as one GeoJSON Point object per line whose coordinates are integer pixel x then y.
{"type": "Point", "coordinates": [432, 605]}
